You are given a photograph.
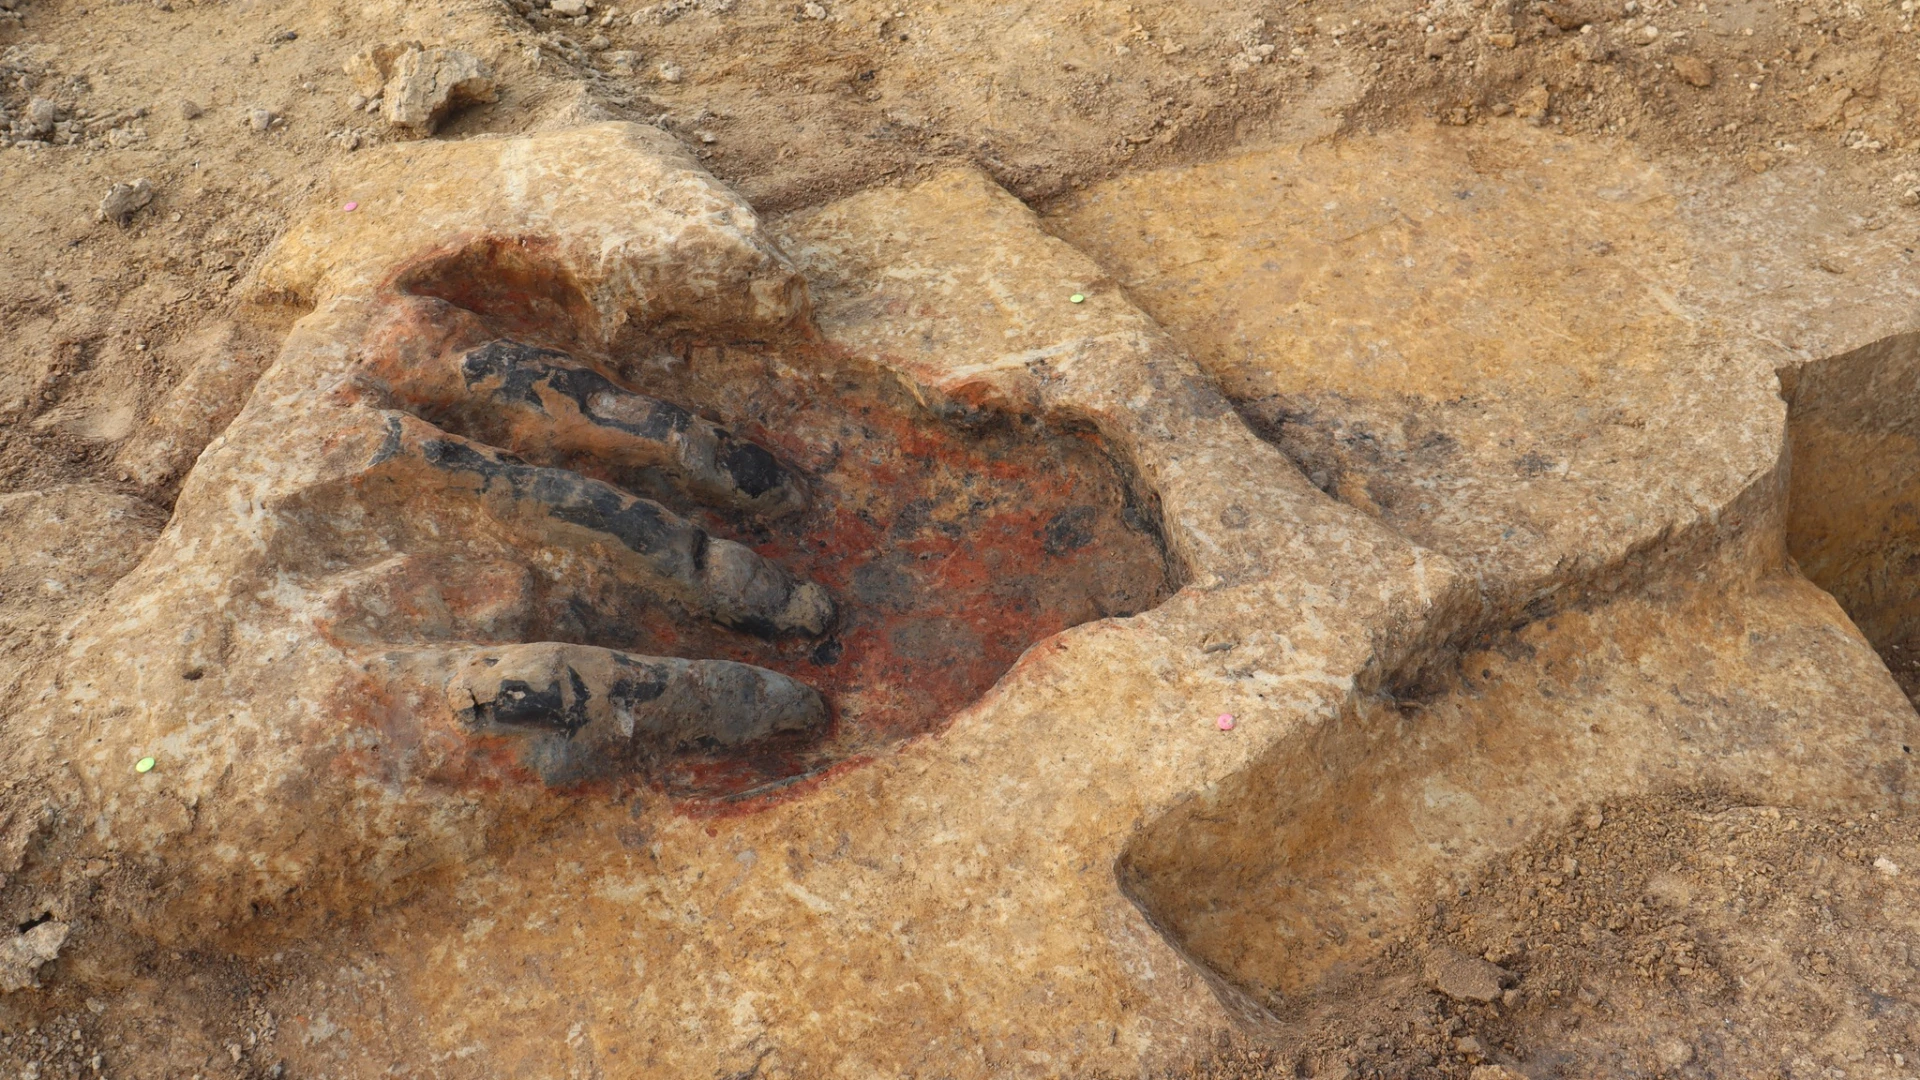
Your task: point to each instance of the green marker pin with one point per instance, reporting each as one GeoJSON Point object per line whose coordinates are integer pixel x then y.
{"type": "Point", "coordinates": [144, 765]}
{"type": "Point", "coordinates": [1077, 298]}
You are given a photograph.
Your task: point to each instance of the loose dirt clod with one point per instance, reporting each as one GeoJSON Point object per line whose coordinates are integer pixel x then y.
{"type": "Point", "coordinates": [122, 200]}
{"type": "Point", "coordinates": [418, 87]}
{"type": "Point", "coordinates": [22, 955]}
{"type": "Point", "coordinates": [1462, 977]}
{"type": "Point", "coordinates": [1695, 71]}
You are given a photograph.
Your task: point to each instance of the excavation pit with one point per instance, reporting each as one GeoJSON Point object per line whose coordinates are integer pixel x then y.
{"type": "Point", "coordinates": [949, 550]}
{"type": "Point", "coordinates": [949, 541]}
{"type": "Point", "coordinates": [1853, 424]}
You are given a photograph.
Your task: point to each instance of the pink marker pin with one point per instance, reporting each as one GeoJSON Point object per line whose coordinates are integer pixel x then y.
{"type": "Point", "coordinates": [351, 207]}
{"type": "Point", "coordinates": [1225, 723]}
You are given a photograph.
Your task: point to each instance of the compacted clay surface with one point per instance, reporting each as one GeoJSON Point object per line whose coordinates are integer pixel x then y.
{"type": "Point", "coordinates": [840, 539]}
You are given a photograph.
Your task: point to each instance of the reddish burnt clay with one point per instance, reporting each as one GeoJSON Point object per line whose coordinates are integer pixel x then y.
{"type": "Point", "coordinates": [949, 551]}
{"type": "Point", "coordinates": [949, 548]}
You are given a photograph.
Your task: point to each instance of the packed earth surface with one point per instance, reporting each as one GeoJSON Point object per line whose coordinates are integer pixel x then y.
{"type": "Point", "coordinates": [1315, 538]}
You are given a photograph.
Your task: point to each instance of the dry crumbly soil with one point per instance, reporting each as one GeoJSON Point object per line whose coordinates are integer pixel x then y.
{"type": "Point", "coordinates": [1659, 937]}
{"type": "Point", "coordinates": [1611, 928]}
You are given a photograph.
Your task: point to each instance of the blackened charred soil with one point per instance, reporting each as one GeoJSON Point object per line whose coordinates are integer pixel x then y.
{"type": "Point", "coordinates": [949, 551]}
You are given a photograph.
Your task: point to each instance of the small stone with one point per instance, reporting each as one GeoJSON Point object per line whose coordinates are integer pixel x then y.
{"type": "Point", "coordinates": [23, 954]}
{"type": "Point", "coordinates": [1502, 41]}
{"type": "Point", "coordinates": [1533, 104]}
{"type": "Point", "coordinates": [814, 11]}
{"type": "Point", "coordinates": [1886, 866]}
{"type": "Point", "coordinates": [1464, 978]}
{"type": "Point", "coordinates": [428, 86]}
{"type": "Point", "coordinates": [123, 200]}
{"type": "Point", "coordinates": [1470, 1046]}
{"type": "Point", "coordinates": [1562, 16]}
{"type": "Point", "coordinates": [1695, 71]}
{"type": "Point", "coordinates": [356, 102]}
{"type": "Point", "coordinates": [417, 87]}
{"type": "Point", "coordinates": [571, 8]}
{"type": "Point", "coordinates": [1494, 1072]}
{"type": "Point", "coordinates": [191, 110]}
{"type": "Point", "coordinates": [260, 120]}
{"type": "Point", "coordinates": [707, 137]}
{"type": "Point", "coordinates": [42, 115]}
{"type": "Point", "coordinates": [671, 72]}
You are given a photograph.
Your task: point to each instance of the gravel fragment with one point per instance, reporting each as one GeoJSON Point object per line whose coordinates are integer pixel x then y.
{"type": "Point", "coordinates": [22, 954]}
{"type": "Point", "coordinates": [1464, 978]}
{"type": "Point", "coordinates": [1695, 71]}
{"type": "Point", "coordinates": [416, 88]}
{"type": "Point", "coordinates": [122, 201]}
{"type": "Point", "coordinates": [41, 116]}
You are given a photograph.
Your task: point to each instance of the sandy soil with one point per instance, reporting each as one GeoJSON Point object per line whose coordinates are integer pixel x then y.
{"type": "Point", "coordinates": [797, 103]}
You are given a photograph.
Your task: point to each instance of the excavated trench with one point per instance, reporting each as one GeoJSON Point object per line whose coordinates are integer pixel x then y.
{"type": "Point", "coordinates": [1293, 882]}
{"type": "Point", "coordinates": [1854, 522]}
{"type": "Point", "coordinates": [1477, 342]}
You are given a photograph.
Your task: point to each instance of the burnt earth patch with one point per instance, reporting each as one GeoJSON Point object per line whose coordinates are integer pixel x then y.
{"type": "Point", "coordinates": [949, 550]}
{"type": "Point", "coordinates": [948, 546]}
